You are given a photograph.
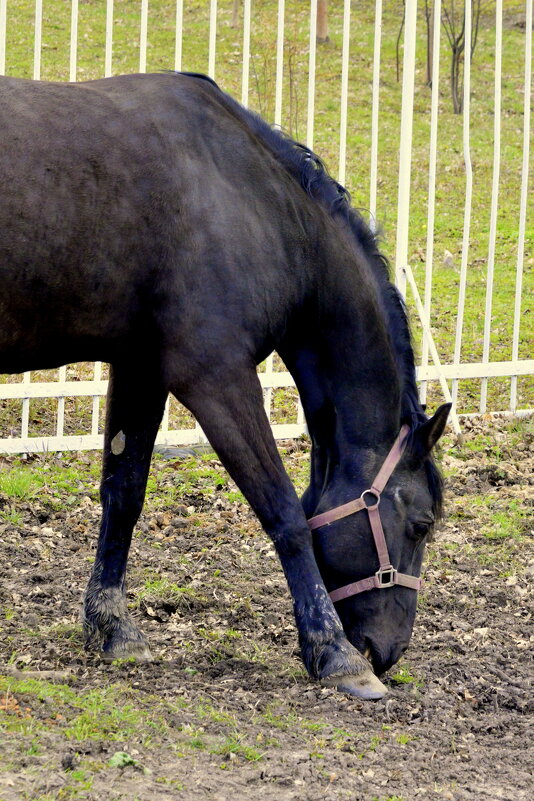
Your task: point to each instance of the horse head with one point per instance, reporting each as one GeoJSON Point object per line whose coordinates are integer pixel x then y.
{"type": "Point", "coordinates": [395, 500]}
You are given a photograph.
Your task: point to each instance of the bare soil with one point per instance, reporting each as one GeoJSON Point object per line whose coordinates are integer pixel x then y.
{"type": "Point", "coordinates": [226, 711]}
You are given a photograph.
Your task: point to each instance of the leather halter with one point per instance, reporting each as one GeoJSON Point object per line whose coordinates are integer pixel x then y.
{"type": "Point", "coordinates": [386, 575]}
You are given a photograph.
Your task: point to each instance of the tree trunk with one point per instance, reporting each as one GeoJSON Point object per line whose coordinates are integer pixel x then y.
{"type": "Point", "coordinates": [456, 89]}
{"type": "Point", "coordinates": [322, 21]}
{"type": "Point", "coordinates": [235, 13]}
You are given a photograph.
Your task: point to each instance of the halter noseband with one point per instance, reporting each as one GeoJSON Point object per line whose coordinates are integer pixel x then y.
{"type": "Point", "coordinates": [386, 575]}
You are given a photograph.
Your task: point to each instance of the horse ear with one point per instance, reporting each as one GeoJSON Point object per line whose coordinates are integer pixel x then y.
{"type": "Point", "coordinates": [429, 433]}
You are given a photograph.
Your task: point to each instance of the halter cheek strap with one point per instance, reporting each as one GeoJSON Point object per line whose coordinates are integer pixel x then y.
{"type": "Point", "coordinates": [386, 575]}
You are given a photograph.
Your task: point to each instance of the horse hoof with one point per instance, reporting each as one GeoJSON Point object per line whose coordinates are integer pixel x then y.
{"type": "Point", "coordinates": [136, 651]}
{"type": "Point", "coordinates": [363, 685]}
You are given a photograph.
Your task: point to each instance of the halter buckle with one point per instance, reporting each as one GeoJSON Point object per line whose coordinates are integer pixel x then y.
{"type": "Point", "coordinates": [385, 577]}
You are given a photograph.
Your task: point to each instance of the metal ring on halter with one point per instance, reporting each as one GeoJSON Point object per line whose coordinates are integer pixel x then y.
{"type": "Point", "coordinates": [370, 492]}
{"type": "Point", "coordinates": [385, 577]}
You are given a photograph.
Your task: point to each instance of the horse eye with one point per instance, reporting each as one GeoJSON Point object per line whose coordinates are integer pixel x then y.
{"type": "Point", "coordinates": [420, 529]}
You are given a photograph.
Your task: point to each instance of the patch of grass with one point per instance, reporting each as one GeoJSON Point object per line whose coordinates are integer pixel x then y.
{"type": "Point", "coordinates": [403, 675]}
{"type": "Point", "coordinates": [519, 428]}
{"type": "Point", "coordinates": [79, 782]}
{"type": "Point", "coordinates": [100, 714]}
{"type": "Point", "coordinates": [64, 632]}
{"type": "Point", "coordinates": [174, 783]}
{"type": "Point", "coordinates": [55, 483]}
{"type": "Point", "coordinates": [20, 483]}
{"type": "Point", "coordinates": [498, 517]}
{"type": "Point", "coordinates": [234, 496]}
{"type": "Point", "coordinates": [388, 798]}
{"type": "Point", "coordinates": [34, 748]}
{"type": "Point", "coordinates": [217, 635]}
{"type": "Point", "coordinates": [12, 516]}
{"type": "Point", "coordinates": [125, 660]}
{"type": "Point", "coordinates": [192, 736]}
{"type": "Point", "coordinates": [121, 759]}
{"type": "Point", "coordinates": [236, 746]}
{"type": "Point", "coordinates": [508, 522]}
{"type": "Point", "coordinates": [279, 718]}
{"type": "Point", "coordinates": [163, 590]}
{"type": "Point", "coordinates": [481, 443]}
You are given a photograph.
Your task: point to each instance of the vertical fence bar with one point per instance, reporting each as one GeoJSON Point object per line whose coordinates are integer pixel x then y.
{"type": "Point", "coordinates": [38, 35]}
{"type": "Point", "coordinates": [494, 199]}
{"type": "Point", "coordinates": [268, 391]}
{"type": "Point", "coordinates": [178, 47]}
{"type": "Point", "coordinates": [73, 40]}
{"type": "Point", "coordinates": [311, 74]}
{"type": "Point", "coordinates": [432, 346]}
{"type": "Point", "coordinates": [468, 195]}
{"type": "Point", "coordinates": [301, 419]}
{"type": "Point", "coordinates": [165, 418]}
{"type": "Point", "coordinates": [26, 379]}
{"type": "Point", "coordinates": [95, 416]}
{"type": "Point", "coordinates": [432, 159]}
{"type": "Point", "coordinates": [212, 38]}
{"type": "Point", "coordinates": [279, 64]}
{"type": "Point", "coordinates": [3, 25]}
{"type": "Point", "coordinates": [143, 36]}
{"type": "Point", "coordinates": [373, 178]}
{"type": "Point", "coordinates": [60, 425]}
{"type": "Point", "coordinates": [246, 51]}
{"type": "Point", "coordinates": [523, 201]}
{"type": "Point", "coordinates": [405, 150]}
{"type": "Point", "coordinates": [344, 93]}
{"type": "Point", "coordinates": [109, 38]}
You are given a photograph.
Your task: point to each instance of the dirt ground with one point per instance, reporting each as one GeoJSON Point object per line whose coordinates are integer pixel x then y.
{"type": "Point", "coordinates": [226, 711]}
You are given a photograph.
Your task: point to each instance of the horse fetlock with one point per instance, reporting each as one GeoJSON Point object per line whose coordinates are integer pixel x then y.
{"type": "Point", "coordinates": [109, 629]}
{"type": "Point", "coordinates": [117, 638]}
{"type": "Point", "coordinates": [333, 657]}
{"type": "Point", "coordinates": [103, 607]}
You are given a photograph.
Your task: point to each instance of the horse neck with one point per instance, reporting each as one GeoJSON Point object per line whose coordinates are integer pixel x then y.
{"type": "Point", "coordinates": [343, 364]}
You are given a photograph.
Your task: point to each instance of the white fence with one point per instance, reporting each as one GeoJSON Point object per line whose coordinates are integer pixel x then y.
{"type": "Point", "coordinates": [343, 98]}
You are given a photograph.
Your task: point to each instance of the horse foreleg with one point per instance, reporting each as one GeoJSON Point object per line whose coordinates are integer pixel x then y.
{"type": "Point", "coordinates": [233, 418]}
{"type": "Point", "coordinates": [134, 412]}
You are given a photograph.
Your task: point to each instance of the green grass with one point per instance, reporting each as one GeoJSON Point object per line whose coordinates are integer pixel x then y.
{"type": "Point", "coordinates": [20, 483]}
{"type": "Point", "coordinates": [115, 713]}
{"type": "Point", "coordinates": [12, 516]}
{"type": "Point", "coordinates": [54, 483]}
{"type": "Point", "coordinates": [164, 591]}
{"type": "Point", "coordinates": [499, 518]}
{"type": "Point", "coordinates": [236, 747]}
{"type": "Point", "coordinates": [450, 168]}
{"type": "Point", "coordinates": [403, 675]}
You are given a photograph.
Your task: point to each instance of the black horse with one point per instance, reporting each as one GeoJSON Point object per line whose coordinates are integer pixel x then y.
{"type": "Point", "coordinates": [151, 222]}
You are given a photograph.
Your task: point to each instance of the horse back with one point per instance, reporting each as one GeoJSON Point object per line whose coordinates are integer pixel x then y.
{"type": "Point", "coordinates": [138, 207]}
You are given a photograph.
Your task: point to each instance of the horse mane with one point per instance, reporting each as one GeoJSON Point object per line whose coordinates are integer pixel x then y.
{"type": "Point", "coordinates": [312, 175]}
